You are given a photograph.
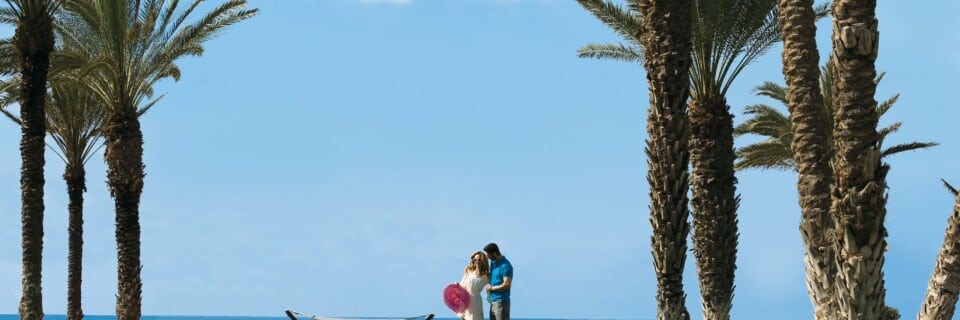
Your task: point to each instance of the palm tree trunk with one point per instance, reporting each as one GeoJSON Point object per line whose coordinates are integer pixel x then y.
{"type": "Point", "coordinates": [75, 177]}
{"type": "Point", "coordinates": [665, 34]}
{"type": "Point", "coordinates": [944, 285]}
{"type": "Point", "coordinates": [33, 41]}
{"type": "Point", "coordinates": [124, 157]}
{"type": "Point", "coordinates": [801, 69]}
{"type": "Point", "coordinates": [859, 198]}
{"type": "Point", "coordinates": [715, 203]}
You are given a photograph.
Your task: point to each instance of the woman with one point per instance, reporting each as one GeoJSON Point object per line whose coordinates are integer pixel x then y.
{"type": "Point", "coordinates": [475, 277]}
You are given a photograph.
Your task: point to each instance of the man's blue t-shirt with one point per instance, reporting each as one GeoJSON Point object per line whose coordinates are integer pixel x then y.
{"type": "Point", "coordinates": [498, 270]}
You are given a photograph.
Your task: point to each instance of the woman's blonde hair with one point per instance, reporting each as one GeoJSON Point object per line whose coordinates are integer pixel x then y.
{"type": "Point", "coordinates": [478, 263]}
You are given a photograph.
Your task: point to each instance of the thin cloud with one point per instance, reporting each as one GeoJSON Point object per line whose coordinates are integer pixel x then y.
{"type": "Point", "coordinates": [517, 1]}
{"type": "Point", "coordinates": [402, 2]}
{"type": "Point", "coordinates": [398, 2]}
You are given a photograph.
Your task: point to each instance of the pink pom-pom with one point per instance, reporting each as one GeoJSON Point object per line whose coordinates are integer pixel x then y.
{"type": "Point", "coordinates": [456, 298]}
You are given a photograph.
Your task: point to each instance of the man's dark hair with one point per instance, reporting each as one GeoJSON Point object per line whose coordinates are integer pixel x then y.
{"type": "Point", "coordinates": [491, 248]}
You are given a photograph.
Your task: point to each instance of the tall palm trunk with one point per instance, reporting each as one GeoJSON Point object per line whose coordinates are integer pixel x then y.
{"type": "Point", "coordinates": [75, 177]}
{"type": "Point", "coordinates": [665, 34]}
{"type": "Point", "coordinates": [33, 42]}
{"type": "Point", "coordinates": [860, 177]}
{"type": "Point", "coordinates": [944, 285]}
{"type": "Point", "coordinates": [801, 69]}
{"type": "Point", "coordinates": [715, 202]}
{"type": "Point", "coordinates": [124, 157]}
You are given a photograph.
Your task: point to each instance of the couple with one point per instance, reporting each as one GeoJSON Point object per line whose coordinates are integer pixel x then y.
{"type": "Point", "coordinates": [495, 277]}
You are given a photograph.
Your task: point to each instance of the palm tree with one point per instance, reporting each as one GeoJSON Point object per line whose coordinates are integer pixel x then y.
{"type": "Point", "coordinates": [941, 298]}
{"type": "Point", "coordinates": [858, 196]}
{"type": "Point", "coordinates": [139, 43]}
{"type": "Point", "coordinates": [74, 117]}
{"type": "Point", "coordinates": [32, 44]}
{"type": "Point", "coordinates": [74, 120]}
{"type": "Point", "coordinates": [806, 131]}
{"type": "Point", "coordinates": [775, 152]}
{"type": "Point", "coordinates": [75, 125]}
{"type": "Point", "coordinates": [727, 35]}
{"type": "Point", "coordinates": [664, 27]}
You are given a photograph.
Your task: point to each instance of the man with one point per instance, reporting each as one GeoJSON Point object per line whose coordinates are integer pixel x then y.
{"type": "Point", "coordinates": [501, 276]}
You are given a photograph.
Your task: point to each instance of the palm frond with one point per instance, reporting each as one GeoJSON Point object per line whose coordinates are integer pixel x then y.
{"type": "Point", "coordinates": [12, 116]}
{"type": "Point", "coordinates": [9, 96]}
{"type": "Point", "coordinates": [949, 187]}
{"type": "Point", "coordinates": [827, 78]}
{"type": "Point", "coordinates": [876, 80]}
{"type": "Point", "coordinates": [29, 9]}
{"type": "Point", "coordinates": [8, 58]}
{"type": "Point", "coordinates": [73, 115]}
{"type": "Point", "coordinates": [146, 107]}
{"type": "Point", "coordinates": [882, 133]}
{"type": "Point", "coordinates": [9, 91]}
{"type": "Point", "coordinates": [885, 106]}
{"type": "Point", "coordinates": [189, 39]}
{"type": "Point", "coordinates": [907, 147]}
{"type": "Point", "coordinates": [623, 21]}
{"type": "Point", "coordinates": [764, 121]}
{"type": "Point", "coordinates": [770, 154]}
{"type": "Point", "coordinates": [8, 99]}
{"type": "Point", "coordinates": [728, 35]}
{"type": "Point", "coordinates": [137, 44]}
{"type": "Point", "coordinates": [611, 51]}
{"type": "Point", "coordinates": [761, 29]}
{"type": "Point", "coordinates": [773, 91]}
{"type": "Point", "coordinates": [9, 16]}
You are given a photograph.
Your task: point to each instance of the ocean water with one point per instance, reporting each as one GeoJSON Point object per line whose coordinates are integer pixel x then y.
{"type": "Point", "coordinates": [280, 317]}
{"type": "Point", "coordinates": [146, 317]}
{"type": "Point", "coordinates": [113, 317]}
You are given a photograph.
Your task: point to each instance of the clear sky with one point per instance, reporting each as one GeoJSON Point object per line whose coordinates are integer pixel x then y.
{"type": "Point", "coordinates": [345, 158]}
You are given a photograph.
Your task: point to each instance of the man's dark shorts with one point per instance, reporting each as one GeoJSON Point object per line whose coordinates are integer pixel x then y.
{"type": "Point", "coordinates": [500, 310]}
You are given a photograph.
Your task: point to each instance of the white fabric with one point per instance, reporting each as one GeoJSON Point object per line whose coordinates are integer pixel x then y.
{"type": "Point", "coordinates": [474, 285]}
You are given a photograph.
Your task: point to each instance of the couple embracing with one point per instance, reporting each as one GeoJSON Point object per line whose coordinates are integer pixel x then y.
{"type": "Point", "coordinates": [494, 277]}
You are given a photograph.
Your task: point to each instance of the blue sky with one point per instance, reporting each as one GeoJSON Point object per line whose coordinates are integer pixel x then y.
{"type": "Point", "coordinates": [345, 157]}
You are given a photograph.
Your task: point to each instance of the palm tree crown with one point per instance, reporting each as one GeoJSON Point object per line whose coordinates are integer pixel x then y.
{"type": "Point", "coordinates": [139, 42]}
{"type": "Point", "coordinates": [775, 152]}
{"type": "Point", "coordinates": [727, 36]}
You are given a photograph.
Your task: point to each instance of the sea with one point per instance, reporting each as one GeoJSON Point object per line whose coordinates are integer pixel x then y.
{"type": "Point", "coordinates": [281, 317]}
{"type": "Point", "coordinates": [146, 317]}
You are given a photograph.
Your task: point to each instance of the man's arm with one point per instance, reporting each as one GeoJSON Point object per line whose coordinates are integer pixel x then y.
{"type": "Point", "coordinates": [500, 287]}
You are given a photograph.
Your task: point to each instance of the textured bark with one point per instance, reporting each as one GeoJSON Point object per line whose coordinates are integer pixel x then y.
{"type": "Point", "coordinates": [75, 177]}
{"type": "Point", "coordinates": [665, 35]}
{"type": "Point", "coordinates": [715, 203]}
{"type": "Point", "coordinates": [33, 42]}
{"type": "Point", "coordinates": [858, 197]}
{"type": "Point", "coordinates": [124, 157]}
{"type": "Point", "coordinates": [811, 149]}
{"type": "Point", "coordinates": [944, 285]}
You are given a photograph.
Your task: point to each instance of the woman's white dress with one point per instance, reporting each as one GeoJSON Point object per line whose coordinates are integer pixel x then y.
{"type": "Point", "coordinates": [474, 284]}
